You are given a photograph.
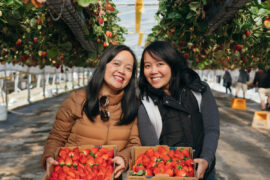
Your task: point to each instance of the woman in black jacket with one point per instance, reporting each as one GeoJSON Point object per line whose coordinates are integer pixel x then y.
{"type": "Point", "coordinates": [178, 109]}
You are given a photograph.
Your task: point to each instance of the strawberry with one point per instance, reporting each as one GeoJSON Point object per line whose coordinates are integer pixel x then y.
{"type": "Point", "coordinates": [149, 152]}
{"type": "Point", "coordinates": [108, 6]}
{"type": "Point", "coordinates": [162, 150]}
{"type": "Point", "coordinates": [62, 58]}
{"type": "Point", "coordinates": [111, 153]}
{"type": "Point", "coordinates": [189, 162]}
{"type": "Point", "coordinates": [238, 47]}
{"type": "Point", "coordinates": [90, 161]}
{"type": "Point", "coordinates": [247, 33]}
{"type": "Point", "coordinates": [98, 160]}
{"type": "Point", "coordinates": [186, 153]}
{"type": "Point", "coordinates": [100, 20]}
{"type": "Point", "coordinates": [75, 164]}
{"type": "Point", "coordinates": [148, 172]}
{"type": "Point", "coordinates": [82, 158]}
{"type": "Point", "coordinates": [57, 65]}
{"type": "Point", "coordinates": [18, 42]}
{"type": "Point", "coordinates": [61, 162]}
{"type": "Point", "coordinates": [105, 44]}
{"type": "Point", "coordinates": [181, 43]}
{"type": "Point", "coordinates": [71, 154]}
{"type": "Point", "coordinates": [35, 39]}
{"type": "Point", "coordinates": [68, 161]}
{"type": "Point", "coordinates": [44, 54]}
{"type": "Point", "coordinates": [98, 41]}
{"type": "Point", "coordinates": [169, 171]}
{"type": "Point", "coordinates": [108, 33]}
{"type": "Point", "coordinates": [181, 173]}
{"type": "Point", "coordinates": [186, 56]}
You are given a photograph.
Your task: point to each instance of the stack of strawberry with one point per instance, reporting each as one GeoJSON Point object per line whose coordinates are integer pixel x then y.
{"type": "Point", "coordinates": [175, 163]}
{"type": "Point", "coordinates": [92, 163]}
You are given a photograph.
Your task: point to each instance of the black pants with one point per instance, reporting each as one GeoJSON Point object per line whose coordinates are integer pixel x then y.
{"type": "Point", "coordinates": [228, 86]}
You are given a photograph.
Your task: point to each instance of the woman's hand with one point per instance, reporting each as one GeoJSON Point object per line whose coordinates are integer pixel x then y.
{"type": "Point", "coordinates": [202, 166]}
{"type": "Point", "coordinates": [119, 161]}
{"type": "Point", "coordinates": [50, 161]}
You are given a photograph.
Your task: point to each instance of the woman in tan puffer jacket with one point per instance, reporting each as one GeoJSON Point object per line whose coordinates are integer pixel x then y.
{"type": "Point", "coordinates": [102, 114]}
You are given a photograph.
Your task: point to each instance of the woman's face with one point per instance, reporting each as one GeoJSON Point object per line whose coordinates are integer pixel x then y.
{"type": "Point", "coordinates": [157, 72]}
{"type": "Point", "coordinates": [118, 72]}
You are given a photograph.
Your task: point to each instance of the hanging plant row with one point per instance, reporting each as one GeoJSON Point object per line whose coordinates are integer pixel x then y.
{"type": "Point", "coordinates": [244, 41]}
{"type": "Point", "coordinates": [29, 35]}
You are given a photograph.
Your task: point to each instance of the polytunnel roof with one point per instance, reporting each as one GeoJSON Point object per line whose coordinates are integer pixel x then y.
{"type": "Point", "coordinates": [128, 20]}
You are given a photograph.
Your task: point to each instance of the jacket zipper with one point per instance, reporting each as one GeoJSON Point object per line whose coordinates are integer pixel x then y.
{"type": "Point", "coordinates": [180, 98]}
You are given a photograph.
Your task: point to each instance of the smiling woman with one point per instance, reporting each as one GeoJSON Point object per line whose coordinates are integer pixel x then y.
{"type": "Point", "coordinates": [118, 72]}
{"type": "Point", "coordinates": [97, 114]}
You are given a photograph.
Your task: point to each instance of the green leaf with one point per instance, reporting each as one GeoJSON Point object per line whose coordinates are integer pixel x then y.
{"type": "Point", "coordinates": [85, 3]}
{"type": "Point", "coordinates": [9, 2]}
{"type": "Point", "coordinates": [67, 46]}
{"type": "Point", "coordinates": [140, 172]}
{"type": "Point", "coordinates": [52, 53]}
{"type": "Point", "coordinates": [174, 15]}
{"type": "Point", "coordinates": [194, 6]}
{"type": "Point", "coordinates": [189, 16]}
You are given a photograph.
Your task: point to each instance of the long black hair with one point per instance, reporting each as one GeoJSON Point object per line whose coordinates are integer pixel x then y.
{"type": "Point", "coordinates": [129, 102]}
{"type": "Point", "coordinates": [181, 75]}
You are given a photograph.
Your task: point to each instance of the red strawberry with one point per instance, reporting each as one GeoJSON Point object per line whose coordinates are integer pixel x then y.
{"type": "Point", "coordinates": [148, 172]}
{"type": "Point", "coordinates": [90, 161]}
{"type": "Point", "coordinates": [82, 158]}
{"type": "Point", "coordinates": [149, 152]}
{"type": "Point", "coordinates": [98, 41]}
{"type": "Point", "coordinates": [44, 54]}
{"type": "Point", "coordinates": [100, 20]}
{"type": "Point", "coordinates": [61, 162]}
{"type": "Point", "coordinates": [186, 56]}
{"type": "Point", "coordinates": [35, 39]}
{"type": "Point", "coordinates": [57, 65]}
{"type": "Point", "coordinates": [18, 42]}
{"type": "Point", "coordinates": [105, 44]}
{"type": "Point", "coordinates": [186, 153]}
{"type": "Point", "coordinates": [71, 154]}
{"type": "Point", "coordinates": [68, 161]}
{"type": "Point", "coordinates": [75, 164]}
{"type": "Point", "coordinates": [62, 58]}
{"type": "Point", "coordinates": [98, 160]}
{"type": "Point", "coordinates": [169, 171]}
{"type": "Point", "coordinates": [247, 33]}
{"type": "Point", "coordinates": [181, 43]}
{"type": "Point", "coordinates": [181, 173]}
{"type": "Point", "coordinates": [111, 153]}
{"type": "Point", "coordinates": [238, 47]}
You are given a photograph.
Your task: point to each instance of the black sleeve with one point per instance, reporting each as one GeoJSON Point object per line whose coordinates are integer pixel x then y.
{"type": "Point", "coordinates": [210, 116]}
{"type": "Point", "coordinates": [147, 132]}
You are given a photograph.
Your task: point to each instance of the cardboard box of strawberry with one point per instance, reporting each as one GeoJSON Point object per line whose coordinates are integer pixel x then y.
{"type": "Point", "coordinates": [162, 162]}
{"type": "Point", "coordinates": [84, 162]}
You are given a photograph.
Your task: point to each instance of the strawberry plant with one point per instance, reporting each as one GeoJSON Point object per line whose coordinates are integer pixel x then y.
{"type": "Point", "coordinates": [244, 39]}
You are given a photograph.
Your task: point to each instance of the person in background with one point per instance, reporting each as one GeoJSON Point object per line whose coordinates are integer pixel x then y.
{"type": "Point", "coordinates": [243, 78]}
{"type": "Point", "coordinates": [105, 113]}
{"type": "Point", "coordinates": [262, 80]}
{"type": "Point", "coordinates": [177, 109]}
{"type": "Point", "coordinates": [227, 81]}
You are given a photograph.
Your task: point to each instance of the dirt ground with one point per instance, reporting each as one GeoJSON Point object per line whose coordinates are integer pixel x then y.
{"type": "Point", "coordinates": [243, 151]}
